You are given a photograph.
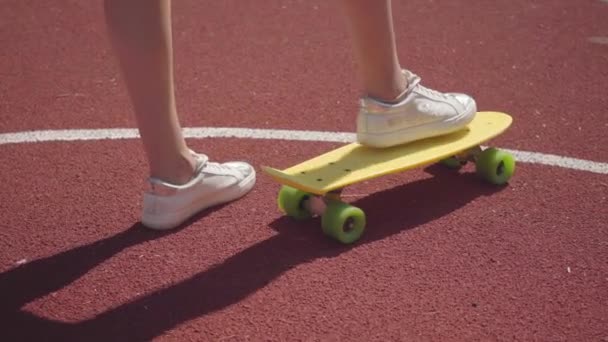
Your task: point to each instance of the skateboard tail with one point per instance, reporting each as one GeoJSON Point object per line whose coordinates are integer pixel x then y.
{"type": "Point", "coordinates": [289, 180]}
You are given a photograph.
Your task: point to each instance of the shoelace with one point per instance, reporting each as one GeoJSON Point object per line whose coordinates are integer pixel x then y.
{"type": "Point", "coordinates": [218, 168]}
{"type": "Point", "coordinates": [431, 92]}
{"type": "Point", "coordinates": [414, 83]}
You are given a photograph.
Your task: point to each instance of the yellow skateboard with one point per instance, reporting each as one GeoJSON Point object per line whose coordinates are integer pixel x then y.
{"type": "Point", "coordinates": [313, 187]}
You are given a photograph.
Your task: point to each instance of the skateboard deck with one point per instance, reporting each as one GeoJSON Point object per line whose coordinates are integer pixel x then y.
{"type": "Point", "coordinates": [313, 187]}
{"type": "Point", "coordinates": [355, 163]}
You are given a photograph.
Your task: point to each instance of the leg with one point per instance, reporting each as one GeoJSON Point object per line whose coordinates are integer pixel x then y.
{"type": "Point", "coordinates": [396, 108]}
{"type": "Point", "coordinates": [181, 182]}
{"type": "Point", "coordinates": [140, 31]}
{"type": "Point", "coordinates": [370, 23]}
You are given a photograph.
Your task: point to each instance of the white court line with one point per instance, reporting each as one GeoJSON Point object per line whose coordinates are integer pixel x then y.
{"type": "Point", "coordinates": [271, 134]}
{"type": "Point", "coordinates": [598, 40]}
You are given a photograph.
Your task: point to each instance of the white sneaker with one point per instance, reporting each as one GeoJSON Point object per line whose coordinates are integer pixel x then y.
{"type": "Point", "coordinates": [166, 206]}
{"type": "Point", "coordinates": [422, 113]}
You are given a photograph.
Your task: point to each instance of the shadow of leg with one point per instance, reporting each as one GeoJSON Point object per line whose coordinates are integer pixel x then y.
{"type": "Point", "coordinates": [390, 212]}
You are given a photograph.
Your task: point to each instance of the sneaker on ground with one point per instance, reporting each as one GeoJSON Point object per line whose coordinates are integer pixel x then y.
{"type": "Point", "coordinates": [419, 113]}
{"type": "Point", "coordinates": [166, 206]}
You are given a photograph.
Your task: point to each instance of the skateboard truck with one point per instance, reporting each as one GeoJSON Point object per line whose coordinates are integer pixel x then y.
{"type": "Point", "coordinates": [317, 205]}
{"type": "Point", "coordinates": [461, 159]}
{"type": "Point", "coordinates": [339, 220]}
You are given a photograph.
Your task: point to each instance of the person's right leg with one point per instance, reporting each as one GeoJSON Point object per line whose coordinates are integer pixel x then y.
{"type": "Point", "coordinates": [395, 108]}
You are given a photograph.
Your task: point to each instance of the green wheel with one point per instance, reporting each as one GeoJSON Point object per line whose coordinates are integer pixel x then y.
{"type": "Point", "coordinates": [343, 222]}
{"type": "Point", "coordinates": [291, 202]}
{"type": "Point", "coordinates": [495, 166]}
{"type": "Point", "coordinates": [453, 163]}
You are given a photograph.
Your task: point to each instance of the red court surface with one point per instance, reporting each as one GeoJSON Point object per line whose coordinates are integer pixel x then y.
{"type": "Point", "coordinates": [445, 257]}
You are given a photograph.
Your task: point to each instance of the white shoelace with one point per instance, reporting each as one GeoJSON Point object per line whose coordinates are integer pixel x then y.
{"type": "Point", "coordinates": [219, 169]}
{"type": "Point", "coordinates": [431, 93]}
{"type": "Point", "coordinates": [414, 84]}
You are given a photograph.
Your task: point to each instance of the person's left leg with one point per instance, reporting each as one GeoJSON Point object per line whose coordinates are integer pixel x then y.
{"type": "Point", "coordinates": [181, 181]}
{"type": "Point", "coordinates": [396, 108]}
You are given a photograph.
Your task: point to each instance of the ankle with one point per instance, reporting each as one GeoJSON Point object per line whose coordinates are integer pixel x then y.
{"type": "Point", "coordinates": [391, 91]}
{"type": "Point", "coordinates": [179, 170]}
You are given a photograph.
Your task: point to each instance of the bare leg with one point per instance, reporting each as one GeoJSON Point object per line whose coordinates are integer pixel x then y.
{"type": "Point", "coordinates": [396, 118]}
{"type": "Point", "coordinates": [140, 31]}
{"type": "Point", "coordinates": [370, 23]}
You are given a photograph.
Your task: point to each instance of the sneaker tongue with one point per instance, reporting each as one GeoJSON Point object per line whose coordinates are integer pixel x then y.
{"type": "Point", "coordinates": [412, 80]}
{"type": "Point", "coordinates": [201, 161]}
